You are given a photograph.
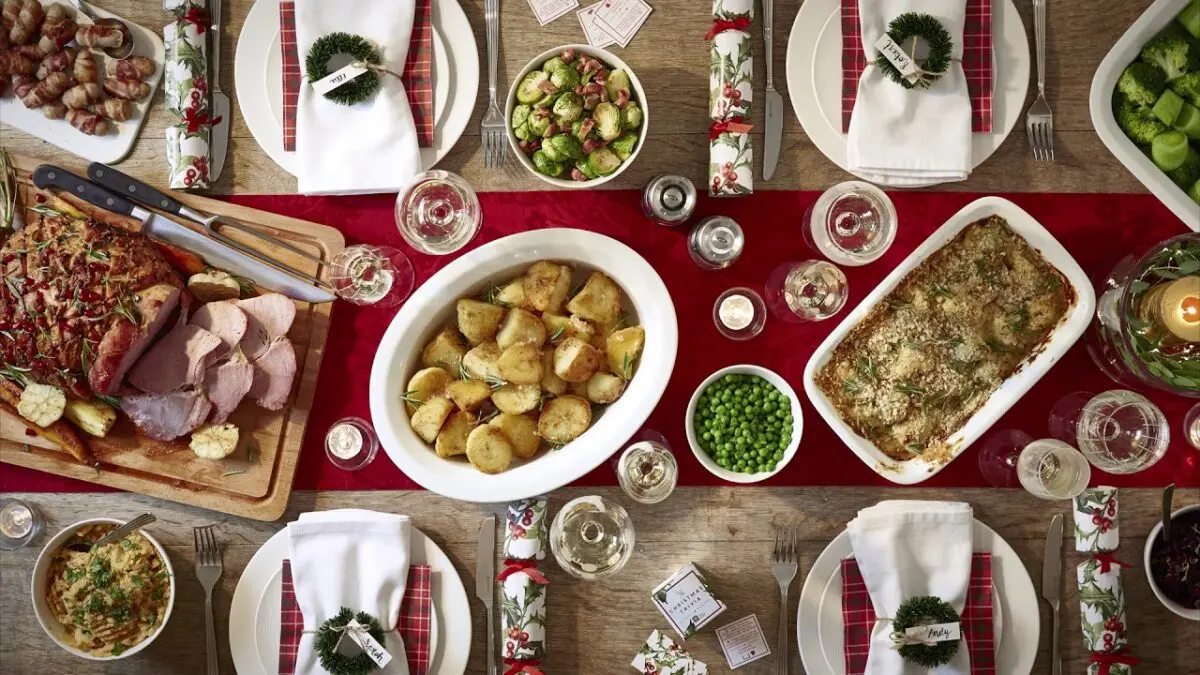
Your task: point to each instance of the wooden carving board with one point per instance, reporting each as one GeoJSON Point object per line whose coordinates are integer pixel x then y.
{"type": "Point", "coordinates": [256, 480]}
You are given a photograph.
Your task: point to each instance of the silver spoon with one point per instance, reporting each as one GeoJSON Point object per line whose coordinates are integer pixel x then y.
{"type": "Point", "coordinates": [1168, 495]}
{"type": "Point", "coordinates": [82, 545]}
{"type": "Point", "coordinates": [126, 47]}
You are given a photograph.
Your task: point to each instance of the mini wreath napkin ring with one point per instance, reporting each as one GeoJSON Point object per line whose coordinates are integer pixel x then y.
{"type": "Point", "coordinates": [364, 54]}
{"type": "Point", "coordinates": [925, 610]}
{"type": "Point", "coordinates": [330, 633]}
{"type": "Point", "coordinates": [905, 30]}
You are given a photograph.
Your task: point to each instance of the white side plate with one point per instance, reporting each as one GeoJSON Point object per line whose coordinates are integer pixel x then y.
{"type": "Point", "coordinates": [111, 147]}
{"type": "Point", "coordinates": [1069, 328]}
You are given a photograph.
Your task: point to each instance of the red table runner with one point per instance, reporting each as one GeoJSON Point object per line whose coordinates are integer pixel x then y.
{"type": "Point", "coordinates": [1098, 230]}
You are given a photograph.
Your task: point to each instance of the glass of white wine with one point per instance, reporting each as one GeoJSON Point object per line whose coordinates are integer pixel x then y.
{"type": "Point", "coordinates": [851, 223]}
{"type": "Point", "coordinates": [592, 537]}
{"type": "Point", "coordinates": [1050, 469]}
{"type": "Point", "coordinates": [438, 213]}
{"type": "Point", "coordinates": [813, 290]}
{"type": "Point", "coordinates": [646, 469]}
{"type": "Point", "coordinates": [1119, 431]}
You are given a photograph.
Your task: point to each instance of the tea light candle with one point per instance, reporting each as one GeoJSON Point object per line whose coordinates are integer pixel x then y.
{"type": "Point", "coordinates": [740, 313]}
{"type": "Point", "coordinates": [1180, 308]}
{"type": "Point", "coordinates": [351, 443]}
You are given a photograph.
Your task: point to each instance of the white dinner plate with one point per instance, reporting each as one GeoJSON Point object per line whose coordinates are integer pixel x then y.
{"type": "Point", "coordinates": [254, 613]}
{"type": "Point", "coordinates": [258, 76]}
{"type": "Point", "coordinates": [819, 617]}
{"type": "Point", "coordinates": [814, 78]}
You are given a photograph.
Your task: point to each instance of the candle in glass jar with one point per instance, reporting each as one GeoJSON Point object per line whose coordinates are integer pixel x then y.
{"type": "Point", "coordinates": [736, 311]}
{"type": "Point", "coordinates": [1176, 306]}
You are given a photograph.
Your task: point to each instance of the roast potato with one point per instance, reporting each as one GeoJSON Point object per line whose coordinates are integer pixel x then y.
{"type": "Point", "coordinates": [428, 419]}
{"type": "Point", "coordinates": [521, 364]}
{"type": "Point", "coordinates": [481, 362]}
{"type": "Point", "coordinates": [576, 360]}
{"type": "Point", "coordinates": [551, 382]}
{"type": "Point", "coordinates": [488, 449]}
{"type": "Point", "coordinates": [445, 351]}
{"type": "Point", "coordinates": [521, 432]}
{"type": "Point", "coordinates": [624, 348]}
{"type": "Point", "coordinates": [599, 300]}
{"type": "Point", "coordinates": [425, 383]}
{"type": "Point", "coordinates": [452, 440]}
{"type": "Point", "coordinates": [516, 399]}
{"type": "Point", "coordinates": [546, 285]}
{"type": "Point", "coordinates": [559, 327]}
{"type": "Point", "coordinates": [520, 326]}
{"type": "Point", "coordinates": [512, 294]}
{"type": "Point", "coordinates": [478, 321]}
{"type": "Point", "coordinates": [604, 388]}
{"type": "Point", "coordinates": [564, 418]}
{"type": "Point", "coordinates": [468, 394]}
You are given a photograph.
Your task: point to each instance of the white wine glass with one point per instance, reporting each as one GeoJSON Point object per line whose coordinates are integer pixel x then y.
{"type": "Point", "coordinates": [1119, 431]}
{"type": "Point", "coordinates": [438, 213]}
{"type": "Point", "coordinates": [592, 537]}
{"type": "Point", "coordinates": [1050, 469]}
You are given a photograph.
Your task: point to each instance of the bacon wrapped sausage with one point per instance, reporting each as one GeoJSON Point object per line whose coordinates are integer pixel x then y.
{"type": "Point", "coordinates": [27, 23]}
{"type": "Point", "coordinates": [88, 122]}
{"type": "Point", "coordinates": [14, 63]}
{"type": "Point", "coordinates": [115, 109]}
{"type": "Point", "coordinates": [83, 95]}
{"type": "Point", "coordinates": [48, 90]}
{"type": "Point", "coordinates": [100, 37]}
{"type": "Point", "coordinates": [55, 110]}
{"type": "Point", "coordinates": [85, 67]}
{"type": "Point", "coordinates": [132, 68]}
{"type": "Point", "coordinates": [59, 61]}
{"type": "Point", "coordinates": [130, 90]}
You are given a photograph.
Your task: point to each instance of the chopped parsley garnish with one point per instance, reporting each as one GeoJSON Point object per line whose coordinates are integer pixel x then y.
{"type": "Point", "coordinates": [119, 649]}
{"type": "Point", "coordinates": [74, 574]}
{"type": "Point", "coordinates": [101, 573]}
{"type": "Point", "coordinates": [128, 544]}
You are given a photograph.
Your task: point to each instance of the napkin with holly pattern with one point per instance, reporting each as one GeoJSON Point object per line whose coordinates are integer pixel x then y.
{"type": "Point", "coordinates": [661, 656]}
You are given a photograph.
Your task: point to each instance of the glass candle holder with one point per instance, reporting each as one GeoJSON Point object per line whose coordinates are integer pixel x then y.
{"type": "Point", "coordinates": [813, 290]}
{"type": "Point", "coordinates": [20, 524]}
{"type": "Point", "coordinates": [740, 313]}
{"type": "Point", "coordinates": [351, 443]}
{"type": "Point", "coordinates": [438, 213]}
{"type": "Point", "coordinates": [380, 276]}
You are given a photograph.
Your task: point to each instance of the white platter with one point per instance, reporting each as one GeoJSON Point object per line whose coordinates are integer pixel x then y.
{"type": "Point", "coordinates": [819, 624]}
{"type": "Point", "coordinates": [1123, 53]}
{"type": "Point", "coordinates": [254, 620]}
{"type": "Point", "coordinates": [814, 77]}
{"type": "Point", "coordinates": [111, 147]}
{"type": "Point", "coordinates": [1068, 330]}
{"type": "Point", "coordinates": [431, 308]}
{"type": "Point", "coordinates": [258, 77]}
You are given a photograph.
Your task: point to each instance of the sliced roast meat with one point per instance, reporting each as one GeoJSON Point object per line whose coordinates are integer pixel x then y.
{"type": "Point", "coordinates": [270, 316]}
{"type": "Point", "coordinates": [273, 375]}
{"type": "Point", "coordinates": [178, 360]}
{"type": "Point", "coordinates": [224, 320]}
{"type": "Point", "coordinates": [227, 383]}
{"type": "Point", "coordinates": [125, 341]}
{"type": "Point", "coordinates": [166, 417]}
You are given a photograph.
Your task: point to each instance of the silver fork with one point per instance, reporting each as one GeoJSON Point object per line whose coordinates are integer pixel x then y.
{"type": "Point", "coordinates": [784, 565]}
{"type": "Point", "coordinates": [1039, 123]}
{"type": "Point", "coordinates": [493, 132]}
{"type": "Point", "coordinates": [208, 571]}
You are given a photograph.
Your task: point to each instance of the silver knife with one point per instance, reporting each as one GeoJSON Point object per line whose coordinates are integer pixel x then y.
{"type": "Point", "coordinates": [214, 252]}
{"type": "Point", "coordinates": [485, 579]}
{"type": "Point", "coordinates": [774, 135]}
{"type": "Point", "coordinates": [1051, 579]}
{"type": "Point", "coordinates": [220, 100]}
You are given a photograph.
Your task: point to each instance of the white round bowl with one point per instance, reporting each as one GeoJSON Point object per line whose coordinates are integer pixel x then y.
{"type": "Point", "coordinates": [432, 307]}
{"type": "Point", "coordinates": [797, 424]}
{"type": "Point", "coordinates": [46, 617]}
{"type": "Point", "coordinates": [1190, 614]}
{"type": "Point", "coordinates": [609, 59]}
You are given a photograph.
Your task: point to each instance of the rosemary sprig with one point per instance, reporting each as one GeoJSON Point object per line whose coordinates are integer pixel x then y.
{"type": "Point", "coordinates": [494, 382]}
{"type": "Point", "coordinates": [15, 373]}
{"type": "Point", "coordinates": [558, 333]}
{"type": "Point", "coordinates": [851, 387]}
{"type": "Point", "coordinates": [1050, 284]}
{"type": "Point", "coordinates": [997, 346]}
{"type": "Point", "coordinates": [627, 366]}
{"type": "Point", "coordinates": [235, 472]}
{"type": "Point", "coordinates": [865, 368]}
{"type": "Point", "coordinates": [129, 313]}
{"type": "Point", "coordinates": [492, 296]}
{"type": "Point", "coordinates": [463, 373]}
{"type": "Point", "coordinates": [488, 417]}
{"type": "Point", "coordinates": [1018, 321]}
{"type": "Point", "coordinates": [915, 448]}
{"type": "Point", "coordinates": [43, 210]}
{"type": "Point", "coordinates": [940, 290]}
{"type": "Point", "coordinates": [622, 320]}
{"type": "Point", "coordinates": [97, 254]}
{"type": "Point", "coordinates": [111, 400]}
{"type": "Point", "coordinates": [410, 398]}
{"type": "Point", "coordinates": [910, 388]}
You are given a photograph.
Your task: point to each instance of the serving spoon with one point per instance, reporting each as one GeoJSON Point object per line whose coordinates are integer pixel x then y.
{"type": "Point", "coordinates": [126, 47]}
{"type": "Point", "coordinates": [82, 545]}
{"type": "Point", "coordinates": [1168, 495]}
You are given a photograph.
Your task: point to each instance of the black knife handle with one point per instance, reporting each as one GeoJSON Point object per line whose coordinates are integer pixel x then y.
{"type": "Point", "coordinates": [133, 188]}
{"type": "Point", "coordinates": [48, 175]}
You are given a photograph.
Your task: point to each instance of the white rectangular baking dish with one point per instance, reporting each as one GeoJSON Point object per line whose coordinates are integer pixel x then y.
{"type": "Point", "coordinates": [1069, 329]}
{"type": "Point", "coordinates": [1123, 53]}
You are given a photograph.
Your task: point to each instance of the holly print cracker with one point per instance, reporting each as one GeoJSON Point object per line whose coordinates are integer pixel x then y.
{"type": "Point", "coordinates": [525, 534]}
{"type": "Point", "coordinates": [661, 656]}
{"type": "Point", "coordinates": [523, 611]}
{"type": "Point", "coordinates": [1102, 604]}
{"type": "Point", "coordinates": [1096, 526]}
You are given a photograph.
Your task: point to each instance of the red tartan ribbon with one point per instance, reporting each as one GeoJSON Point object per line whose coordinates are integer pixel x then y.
{"type": "Point", "coordinates": [197, 17]}
{"type": "Point", "coordinates": [516, 667]}
{"type": "Point", "coordinates": [529, 567]}
{"type": "Point", "coordinates": [1106, 660]}
{"type": "Point", "coordinates": [1107, 560]}
{"type": "Point", "coordinates": [737, 125]}
{"type": "Point", "coordinates": [195, 120]}
{"type": "Point", "coordinates": [722, 25]}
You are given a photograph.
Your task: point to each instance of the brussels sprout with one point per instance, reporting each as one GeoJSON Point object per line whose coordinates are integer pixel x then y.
{"type": "Point", "coordinates": [608, 121]}
{"type": "Point", "coordinates": [554, 64]}
{"type": "Point", "coordinates": [523, 133]}
{"type": "Point", "coordinates": [585, 168]}
{"type": "Point", "coordinates": [552, 153]}
{"type": "Point", "coordinates": [565, 78]}
{"type": "Point", "coordinates": [539, 123]}
{"type": "Point", "coordinates": [568, 108]}
{"type": "Point", "coordinates": [618, 80]}
{"type": "Point", "coordinates": [603, 161]}
{"type": "Point", "coordinates": [545, 165]}
{"type": "Point", "coordinates": [563, 147]}
{"type": "Point", "coordinates": [631, 116]}
{"type": "Point", "coordinates": [520, 115]}
{"type": "Point", "coordinates": [529, 91]}
{"type": "Point", "coordinates": [624, 145]}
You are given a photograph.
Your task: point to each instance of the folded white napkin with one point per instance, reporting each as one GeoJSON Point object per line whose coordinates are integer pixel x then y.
{"type": "Point", "coordinates": [914, 136]}
{"type": "Point", "coordinates": [906, 549]}
{"type": "Point", "coordinates": [349, 558]}
{"type": "Point", "coordinates": [372, 146]}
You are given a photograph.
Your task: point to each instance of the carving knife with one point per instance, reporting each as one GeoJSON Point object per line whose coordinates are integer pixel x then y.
{"type": "Point", "coordinates": [485, 575]}
{"type": "Point", "coordinates": [1051, 578]}
{"type": "Point", "coordinates": [212, 251]}
{"type": "Point", "coordinates": [774, 132]}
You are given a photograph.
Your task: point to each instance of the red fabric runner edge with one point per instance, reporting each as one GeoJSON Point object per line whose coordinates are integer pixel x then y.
{"type": "Point", "coordinates": [1098, 229]}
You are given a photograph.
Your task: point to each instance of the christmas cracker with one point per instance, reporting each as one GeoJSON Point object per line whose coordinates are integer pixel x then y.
{"type": "Point", "coordinates": [525, 535]}
{"type": "Point", "coordinates": [186, 93]}
{"type": "Point", "coordinates": [1101, 604]}
{"type": "Point", "coordinates": [1096, 525]}
{"type": "Point", "coordinates": [731, 94]}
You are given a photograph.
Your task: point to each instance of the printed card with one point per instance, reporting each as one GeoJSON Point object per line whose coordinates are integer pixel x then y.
{"type": "Point", "coordinates": [622, 18]}
{"type": "Point", "coordinates": [548, 10]}
{"type": "Point", "coordinates": [596, 36]}
{"type": "Point", "coordinates": [743, 641]}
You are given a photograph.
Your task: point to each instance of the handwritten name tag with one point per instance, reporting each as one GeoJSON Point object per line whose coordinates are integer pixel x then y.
{"type": "Point", "coordinates": [892, 52]}
{"type": "Point", "coordinates": [337, 78]}
{"type": "Point", "coordinates": [370, 646]}
{"type": "Point", "coordinates": [938, 632]}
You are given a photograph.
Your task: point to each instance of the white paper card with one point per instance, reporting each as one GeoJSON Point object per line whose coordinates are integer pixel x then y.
{"type": "Point", "coordinates": [622, 18]}
{"type": "Point", "coordinates": [892, 52]}
{"type": "Point", "coordinates": [337, 78]}
{"type": "Point", "coordinates": [938, 632]}
{"type": "Point", "coordinates": [596, 36]}
{"type": "Point", "coordinates": [369, 645]}
{"type": "Point", "coordinates": [548, 10]}
{"type": "Point", "coordinates": [743, 641]}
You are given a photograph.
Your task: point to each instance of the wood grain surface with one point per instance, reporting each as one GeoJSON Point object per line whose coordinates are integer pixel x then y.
{"type": "Point", "coordinates": [671, 58]}
{"type": "Point", "coordinates": [596, 628]}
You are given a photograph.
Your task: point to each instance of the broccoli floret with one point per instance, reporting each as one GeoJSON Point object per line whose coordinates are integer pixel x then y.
{"type": "Point", "coordinates": [1188, 87]}
{"type": "Point", "coordinates": [1142, 83]}
{"type": "Point", "coordinates": [1188, 172]}
{"type": "Point", "coordinates": [1137, 121]}
{"type": "Point", "coordinates": [1171, 52]}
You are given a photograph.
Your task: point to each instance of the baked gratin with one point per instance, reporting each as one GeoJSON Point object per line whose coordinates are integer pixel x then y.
{"type": "Point", "coordinates": [935, 349]}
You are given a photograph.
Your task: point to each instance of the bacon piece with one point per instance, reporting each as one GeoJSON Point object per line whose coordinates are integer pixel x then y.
{"type": "Point", "coordinates": [131, 90]}
{"type": "Point", "coordinates": [548, 87]}
{"type": "Point", "coordinates": [576, 174]}
{"type": "Point", "coordinates": [568, 55]}
{"type": "Point", "coordinates": [591, 101]}
{"type": "Point", "coordinates": [132, 68]}
{"type": "Point", "coordinates": [585, 128]}
{"type": "Point", "coordinates": [56, 62]}
{"type": "Point", "coordinates": [622, 98]}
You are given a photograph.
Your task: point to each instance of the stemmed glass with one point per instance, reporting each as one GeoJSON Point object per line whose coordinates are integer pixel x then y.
{"type": "Point", "coordinates": [813, 290]}
{"type": "Point", "coordinates": [438, 213]}
{"type": "Point", "coordinates": [647, 470]}
{"type": "Point", "coordinates": [852, 223]}
{"type": "Point", "coordinates": [1119, 431]}
{"type": "Point", "coordinates": [371, 275]}
{"type": "Point", "coordinates": [592, 537]}
{"type": "Point", "coordinates": [1050, 469]}
{"type": "Point", "coordinates": [1191, 426]}
{"type": "Point", "coordinates": [998, 457]}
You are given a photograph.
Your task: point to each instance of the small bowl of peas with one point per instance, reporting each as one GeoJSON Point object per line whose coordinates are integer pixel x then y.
{"type": "Point", "coordinates": [744, 423]}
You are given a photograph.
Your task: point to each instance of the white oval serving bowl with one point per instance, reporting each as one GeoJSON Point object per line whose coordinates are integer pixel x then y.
{"type": "Point", "coordinates": [45, 616]}
{"type": "Point", "coordinates": [1190, 614]}
{"type": "Point", "coordinates": [608, 59]}
{"type": "Point", "coordinates": [797, 424]}
{"type": "Point", "coordinates": [431, 308]}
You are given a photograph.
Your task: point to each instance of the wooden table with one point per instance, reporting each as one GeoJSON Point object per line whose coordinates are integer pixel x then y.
{"type": "Point", "coordinates": [671, 57]}
{"type": "Point", "coordinates": [595, 628]}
